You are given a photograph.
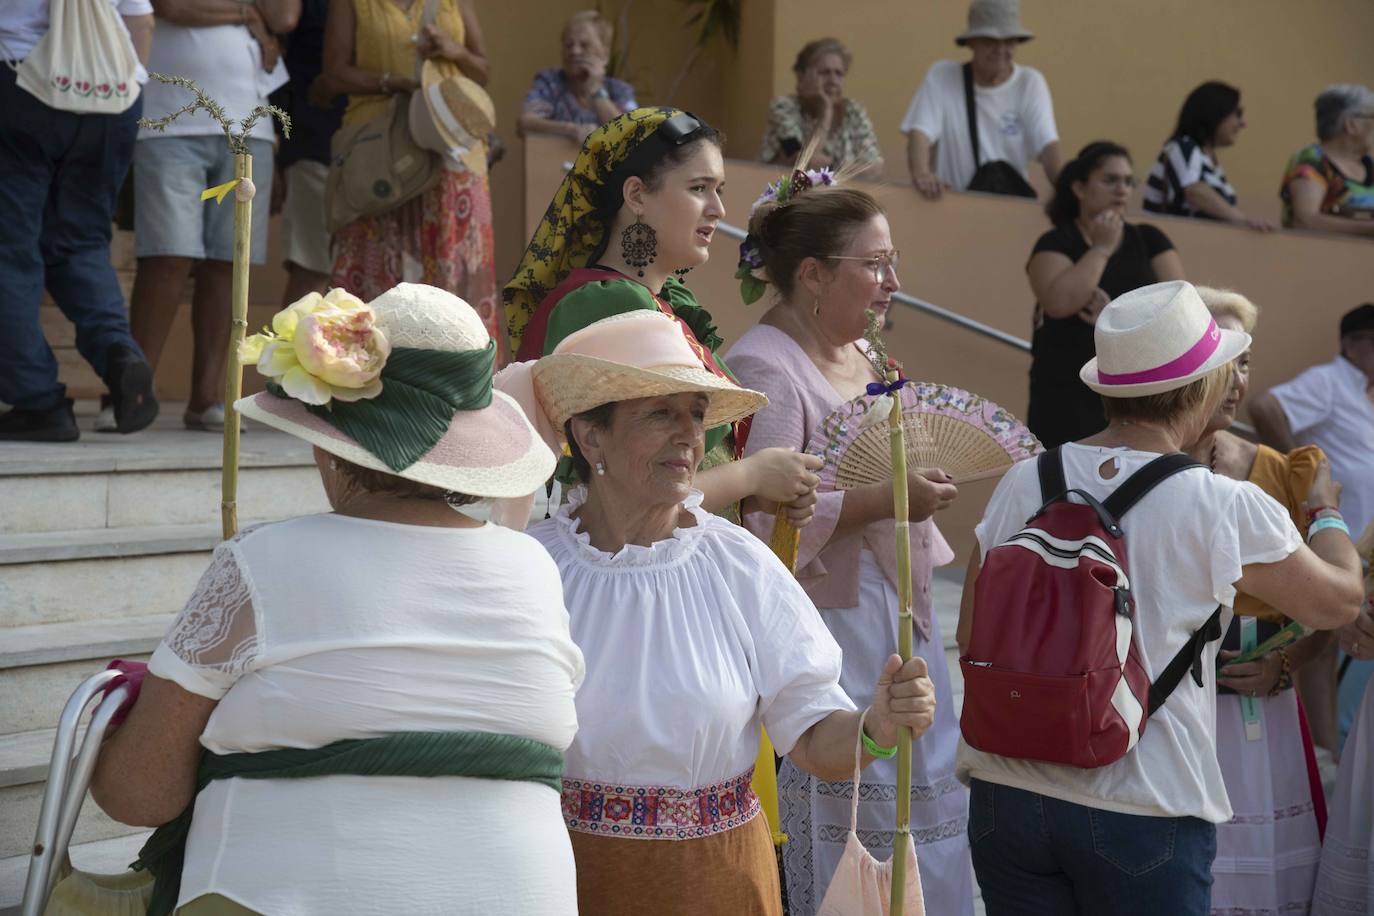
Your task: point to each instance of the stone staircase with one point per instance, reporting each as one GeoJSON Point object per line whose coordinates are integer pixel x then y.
{"type": "Point", "coordinates": [101, 542]}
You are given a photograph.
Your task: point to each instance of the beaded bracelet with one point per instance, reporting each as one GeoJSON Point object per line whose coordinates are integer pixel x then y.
{"type": "Point", "coordinates": [1285, 675]}
{"type": "Point", "coordinates": [1327, 521]}
{"type": "Point", "coordinates": [877, 750]}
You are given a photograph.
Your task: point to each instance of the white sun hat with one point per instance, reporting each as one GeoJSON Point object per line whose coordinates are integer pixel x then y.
{"type": "Point", "coordinates": [437, 420]}
{"type": "Point", "coordinates": [1155, 339]}
{"type": "Point", "coordinates": [999, 19]}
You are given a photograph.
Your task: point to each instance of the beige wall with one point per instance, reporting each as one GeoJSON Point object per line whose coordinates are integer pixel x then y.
{"type": "Point", "coordinates": [1117, 70]}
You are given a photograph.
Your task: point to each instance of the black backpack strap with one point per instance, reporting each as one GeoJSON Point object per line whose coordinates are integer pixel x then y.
{"type": "Point", "coordinates": [972, 111]}
{"type": "Point", "coordinates": [1189, 658]}
{"type": "Point", "coordinates": [1052, 483]}
{"type": "Point", "coordinates": [1146, 479]}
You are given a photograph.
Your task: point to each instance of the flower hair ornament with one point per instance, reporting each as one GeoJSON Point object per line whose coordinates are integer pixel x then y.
{"type": "Point", "coordinates": [750, 274]}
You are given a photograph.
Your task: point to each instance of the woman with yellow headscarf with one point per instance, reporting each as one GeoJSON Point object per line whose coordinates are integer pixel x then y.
{"type": "Point", "coordinates": [641, 204]}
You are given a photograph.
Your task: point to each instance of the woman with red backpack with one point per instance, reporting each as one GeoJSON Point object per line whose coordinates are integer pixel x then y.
{"type": "Point", "coordinates": [1086, 619]}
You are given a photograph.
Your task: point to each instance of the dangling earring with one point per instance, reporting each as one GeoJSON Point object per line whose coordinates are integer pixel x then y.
{"type": "Point", "coordinates": [456, 501]}
{"type": "Point", "coordinates": [816, 308]}
{"type": "Point", "coordinates": [638, 245]}
{"type": "Point", "coordinates": [600, 469]}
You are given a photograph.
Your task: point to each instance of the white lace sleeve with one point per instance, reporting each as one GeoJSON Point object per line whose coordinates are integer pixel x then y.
{"type": "Point", "coordinates": [214, 640]}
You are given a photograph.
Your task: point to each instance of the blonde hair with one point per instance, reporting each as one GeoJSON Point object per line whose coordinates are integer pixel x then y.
{"type": "Point", "coordinates": [1171, 406]}
{"type": "Point", "coordinates": [1227, 303]}
{"type": "Point", "coordinates": [599, 24]}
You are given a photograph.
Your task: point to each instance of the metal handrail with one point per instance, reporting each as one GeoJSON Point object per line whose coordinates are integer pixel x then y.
{"type": "Point", "coordinates": [929, 308]}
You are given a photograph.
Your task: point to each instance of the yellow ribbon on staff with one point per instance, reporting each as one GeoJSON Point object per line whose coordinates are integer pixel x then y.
{"type": "Point", "coordinates": [220, 191]}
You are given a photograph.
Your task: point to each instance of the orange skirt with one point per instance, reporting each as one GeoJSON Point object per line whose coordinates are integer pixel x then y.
{"type": "Point", "coordinates": [734, 872]}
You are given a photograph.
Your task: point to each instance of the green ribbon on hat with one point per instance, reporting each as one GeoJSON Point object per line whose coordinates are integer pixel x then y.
{"type": "Point", "coordinates": [421, 392]}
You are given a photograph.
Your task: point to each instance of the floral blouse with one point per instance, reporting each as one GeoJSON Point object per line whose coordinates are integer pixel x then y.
{"type": "Point", "coordinates": [1343, 196]}
{"type": "Point", "coordinates": [549, 97]}
{"type": "Point", "coordinates": [853, 141]}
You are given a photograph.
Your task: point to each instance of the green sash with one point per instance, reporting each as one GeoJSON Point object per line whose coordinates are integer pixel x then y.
{"type": "Point", "coordinates": [477, 754]}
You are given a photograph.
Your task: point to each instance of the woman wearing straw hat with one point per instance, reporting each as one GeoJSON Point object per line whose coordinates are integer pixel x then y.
{"type": "Point", "coordinates": [413, 655]}
{"type": "Point", "coordinates": [827, 250]}
{"type": "Point", "coordinates": [1138, 835]}
{"type": "Point", "coordinates": [1265, 862]}
{"type": "Point", "coordinates": [695, 636]}
{"type": "Point", "coordinates": [641, 204]}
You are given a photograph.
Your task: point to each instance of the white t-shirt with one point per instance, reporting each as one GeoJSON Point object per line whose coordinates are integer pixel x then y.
{"type": "Point", "coordinates": [326, 628]}
{"type": "Point", "coordinates": [1329, 406]}
{"type": "Point", "coordinates": [691, 644]}
{"type": "Point", "coordinates": [24, 22]}
{"type": "Point", "coordinates": [1186, 542]}
{"type": "Point", "coordinates": [225, 61]}
{"type": "Point", "coordinates": [1015, 120]}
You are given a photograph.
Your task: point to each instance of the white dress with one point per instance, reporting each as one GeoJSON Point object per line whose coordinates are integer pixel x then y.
{"type": "Point", "coordinates": [1345, 880]}
{"type": "Point", "coordinates": [692, 644]}
{"type": "Point", "coordinates": [326, 628]}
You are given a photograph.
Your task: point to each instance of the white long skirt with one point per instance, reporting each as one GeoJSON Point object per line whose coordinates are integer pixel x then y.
{"type": "Point", "coordinates": [1267, 854]}
{"type": "Point", "coordinates": [1345, 881]}
{"type": "Point", "coordinates": [815, 813]}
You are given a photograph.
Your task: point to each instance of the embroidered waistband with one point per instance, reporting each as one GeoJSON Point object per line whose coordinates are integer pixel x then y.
{"type": "Point", "coordinates": [659, 812]}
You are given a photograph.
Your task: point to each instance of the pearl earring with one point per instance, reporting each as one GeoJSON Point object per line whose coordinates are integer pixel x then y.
{"type": "Point", "coordinates": [600, 469]}
{"type": "Point", "coordinates": [333, 464]}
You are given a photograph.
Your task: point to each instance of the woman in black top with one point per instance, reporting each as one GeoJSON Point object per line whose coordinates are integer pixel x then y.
{"type": "Point", "coordinates": [1091, 256]}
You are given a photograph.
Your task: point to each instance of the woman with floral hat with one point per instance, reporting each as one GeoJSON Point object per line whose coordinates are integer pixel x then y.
{"type": "Point", "coordinates": [366, 710]}
{"type": "Point", "coordinates": [640, 205]}
{"type": "Point", "coordinates": [695, 636]}
{"type": "Point", "coordinates": [826, 249]}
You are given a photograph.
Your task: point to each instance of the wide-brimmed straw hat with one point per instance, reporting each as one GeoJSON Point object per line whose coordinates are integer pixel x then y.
{"type": "Point", "coordinates": [436, 420]}
{"type": "Point", "coordinates": [639, 354]}
{"type": "Point", "coordinates": [1155, 339]}
{"type": "Point", "coordinates": [994, 19]}
{"type": "Point", "coordinates": [449, 112]}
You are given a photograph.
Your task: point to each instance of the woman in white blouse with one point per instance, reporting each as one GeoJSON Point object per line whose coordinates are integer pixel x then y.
{"type": "Point", "coordinates": [695, 636]}
{"type": "Point", "coordinates": [414, 658]}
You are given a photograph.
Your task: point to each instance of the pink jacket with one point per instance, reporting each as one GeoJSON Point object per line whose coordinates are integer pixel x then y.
{"type": "Point", "coordinates": [799, 397]}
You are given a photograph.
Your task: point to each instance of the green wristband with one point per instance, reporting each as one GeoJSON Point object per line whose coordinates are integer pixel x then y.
{"type": "Point", "coordinates": [877, 750]}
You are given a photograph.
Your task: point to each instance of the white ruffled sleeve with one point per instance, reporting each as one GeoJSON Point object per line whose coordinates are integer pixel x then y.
{"type": "Point", "coordinates": [798, 661]}
{"type": "Point", "coordinates": [1257, 529]}
{"type": "Point", "coordinates": [214, 640]}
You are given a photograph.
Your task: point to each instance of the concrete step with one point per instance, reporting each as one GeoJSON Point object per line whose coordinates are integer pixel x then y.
{"type": "Point", "coordinates": [161, 476]}
{"type": "Point", "coordinates": [81, 640]}
{"type": "Point", "coordinates": [106, 857]}
{"type": "Point", "coordinates": [19, 818]}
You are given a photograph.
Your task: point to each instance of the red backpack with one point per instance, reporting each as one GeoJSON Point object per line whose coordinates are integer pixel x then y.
{"type": "Point", "coordinates": [1052, 671]}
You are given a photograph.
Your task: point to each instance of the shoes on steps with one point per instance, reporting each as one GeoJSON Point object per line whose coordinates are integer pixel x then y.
{"type": "Point", "coordinates": [53, 424]}
{"type": "Point", "coordinates": [130, 380]}
{"type": "Point", "coordinates": [210, 420]}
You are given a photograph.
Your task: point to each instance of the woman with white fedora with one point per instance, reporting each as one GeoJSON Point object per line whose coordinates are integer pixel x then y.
{"type": "Point", "coordinates": [366, 710]}
{"type": "Point", "coordinates": [695, 635]}
{"type": "Point", "coordinates": [1138, 835]}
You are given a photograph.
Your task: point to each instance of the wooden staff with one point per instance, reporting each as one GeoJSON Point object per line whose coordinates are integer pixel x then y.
{"type": "Point", "coordinates": [902, 837]}
{"type": "Point", "coordinates": [233, 376]}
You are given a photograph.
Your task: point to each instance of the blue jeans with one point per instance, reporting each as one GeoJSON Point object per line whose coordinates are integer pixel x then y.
{"type": "Point", "coordinates": [60, 173]}
{"type": "Point", "coordinates": [1039, 856]}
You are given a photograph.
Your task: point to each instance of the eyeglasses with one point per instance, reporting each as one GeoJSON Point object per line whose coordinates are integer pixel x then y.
{"type": "Point", "coordinates": [1118, 181]}
{"type": "Point", "coordinates": [878, 264]}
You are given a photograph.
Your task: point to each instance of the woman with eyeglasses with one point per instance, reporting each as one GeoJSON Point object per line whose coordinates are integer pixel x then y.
{"type": "Point", "coordinates": [637, 212]}
{"type": "Point", "coordinates": [1091, 256]}
{"type": "Point", "coordinates": [827, 255]}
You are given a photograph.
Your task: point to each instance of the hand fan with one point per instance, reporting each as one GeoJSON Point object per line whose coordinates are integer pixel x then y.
{"type": "Point", "coordinates": [967, 435]}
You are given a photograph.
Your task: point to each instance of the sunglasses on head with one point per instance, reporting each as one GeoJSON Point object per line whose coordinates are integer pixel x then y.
{"type": "Point", "coordinates": [678, 129]}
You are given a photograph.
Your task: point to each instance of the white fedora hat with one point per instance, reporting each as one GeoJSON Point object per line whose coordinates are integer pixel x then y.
{"type": "Point", "coordinates": [1155, 339]}
{"type": "Point", "coordinates": [999, 19]}
{"type": "Point", "coordinates": [437, 420]}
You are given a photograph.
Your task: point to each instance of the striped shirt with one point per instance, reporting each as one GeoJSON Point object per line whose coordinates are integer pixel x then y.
{"type": "Point", "coordinates": [1183, 163]}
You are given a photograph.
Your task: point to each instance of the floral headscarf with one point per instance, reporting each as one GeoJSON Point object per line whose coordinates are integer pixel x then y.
{"type": "Point", "coordinates": [572, 230]}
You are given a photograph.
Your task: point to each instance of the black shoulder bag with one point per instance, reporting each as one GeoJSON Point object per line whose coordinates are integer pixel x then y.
{"type": "Point", "coordinates": [998, 176]}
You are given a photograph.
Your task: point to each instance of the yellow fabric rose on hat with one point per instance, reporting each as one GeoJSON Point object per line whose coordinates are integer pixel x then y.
{"type": "Point", "coordinates": [322, 348]}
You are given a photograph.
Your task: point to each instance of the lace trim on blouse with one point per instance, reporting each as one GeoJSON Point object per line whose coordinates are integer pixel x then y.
{"type": "Point", "coordinates": [217, 630]}
{"type": "Point", "coordinates": [680, 545]}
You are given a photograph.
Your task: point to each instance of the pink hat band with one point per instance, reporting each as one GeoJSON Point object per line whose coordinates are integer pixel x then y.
{"type": "Point", "coordinates": [1184, 365]}
{"type": "Point", "coordinates": [642, 340]}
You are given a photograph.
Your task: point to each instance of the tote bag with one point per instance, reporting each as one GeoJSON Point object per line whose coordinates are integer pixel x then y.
{"type": "Point", "coordinates": [85, 63]}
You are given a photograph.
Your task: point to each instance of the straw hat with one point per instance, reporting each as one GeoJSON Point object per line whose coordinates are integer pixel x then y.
{"type": "Point", "coordinates": [637, 354]}
{"type": "Point", "coordinates": [449, 112]}
{"type": "Point", "coordinates": [489, 450]}
{"type": "Point", "coordinates": [1155, 339]}
{"type": "Point", "coordinates": [994, 19]}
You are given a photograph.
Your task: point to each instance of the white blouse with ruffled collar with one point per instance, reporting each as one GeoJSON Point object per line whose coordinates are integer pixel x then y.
{"type": "Point", "coordinates": [690, 643]}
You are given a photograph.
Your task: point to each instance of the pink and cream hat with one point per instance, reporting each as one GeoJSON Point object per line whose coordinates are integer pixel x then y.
{"type": "Point", "coordinates": [1155, 339]}
{"type": "Point", "coordinates": [436, 418]}
{"type": "Point", "coordinates": [637, 354]}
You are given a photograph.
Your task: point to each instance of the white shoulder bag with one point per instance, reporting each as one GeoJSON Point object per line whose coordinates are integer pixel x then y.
{"type": "Point", "coordinates": [86, 61]}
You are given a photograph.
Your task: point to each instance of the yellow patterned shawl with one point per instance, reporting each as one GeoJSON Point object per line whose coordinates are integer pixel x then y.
{"type": "Point", "coordinates": [572, 230]}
